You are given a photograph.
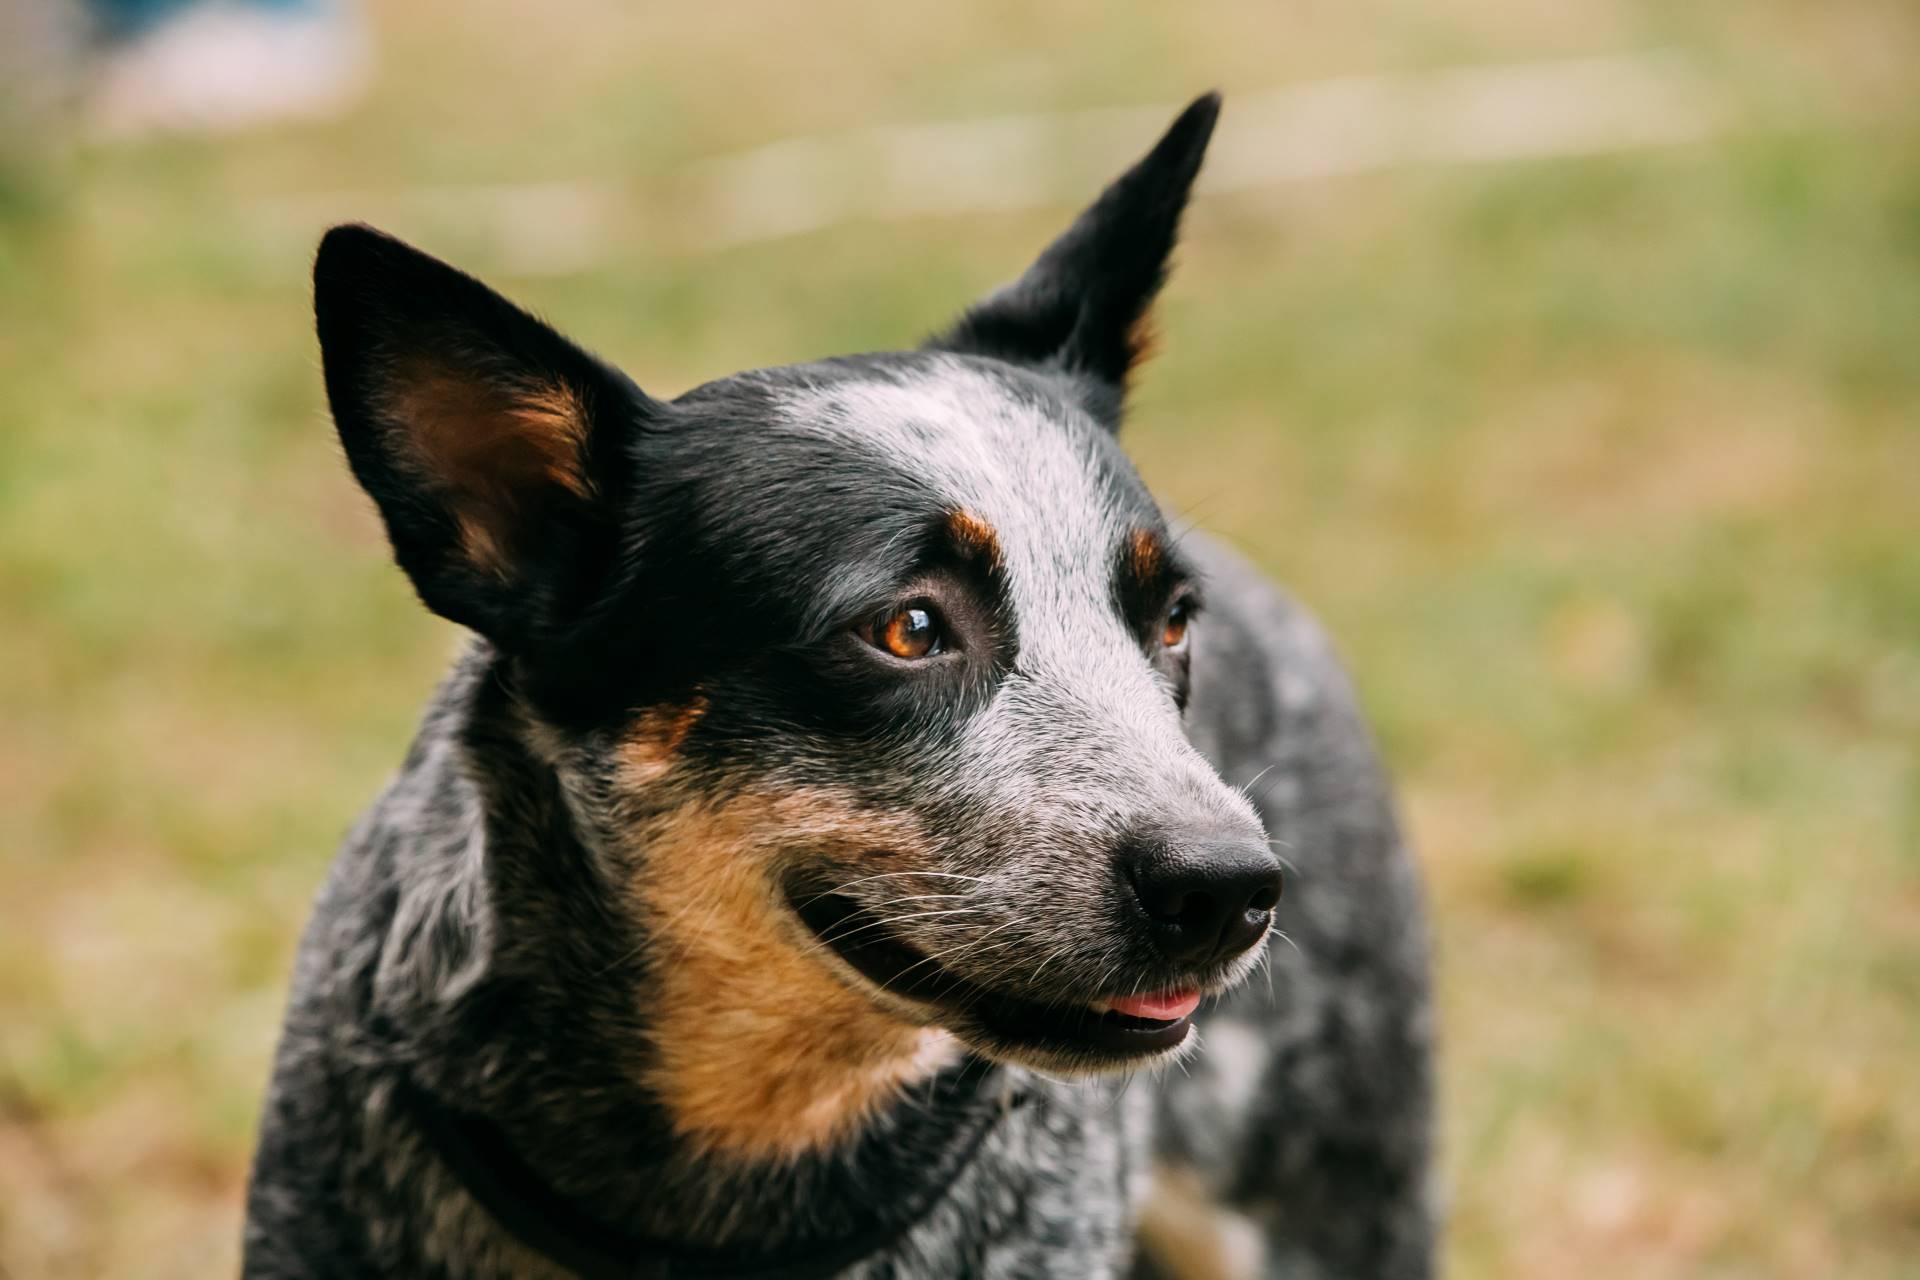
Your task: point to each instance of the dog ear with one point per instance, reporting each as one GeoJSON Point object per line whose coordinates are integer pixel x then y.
{"type": "Point", "coordinates": [495, 449]}
{"type": "Point", "coordinates": [1082, 306]}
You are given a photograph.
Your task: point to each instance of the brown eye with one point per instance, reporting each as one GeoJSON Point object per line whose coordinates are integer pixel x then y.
{"type": "Point", "coordinates": [1174, 634]}
{"type": "Point", "coordinates": [912, 633]}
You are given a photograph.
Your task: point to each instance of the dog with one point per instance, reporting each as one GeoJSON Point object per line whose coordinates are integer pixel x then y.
{"type": "Point", "coordinates": [850, 793]}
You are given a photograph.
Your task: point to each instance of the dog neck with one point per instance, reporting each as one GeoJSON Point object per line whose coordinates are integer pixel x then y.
{"type": "Point", "coordinates": [482, 1160]}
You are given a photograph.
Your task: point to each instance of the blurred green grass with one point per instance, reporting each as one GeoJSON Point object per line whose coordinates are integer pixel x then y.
{"type": "Point", "coordinates": [1603, 470]}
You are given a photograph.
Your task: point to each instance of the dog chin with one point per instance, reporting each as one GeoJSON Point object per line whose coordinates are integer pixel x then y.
{"type": "Point", "coordinates": [1072, 1061]}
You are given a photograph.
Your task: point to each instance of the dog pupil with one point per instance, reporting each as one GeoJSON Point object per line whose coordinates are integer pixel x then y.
{"type": "Point", "coordinates": [910, 635]}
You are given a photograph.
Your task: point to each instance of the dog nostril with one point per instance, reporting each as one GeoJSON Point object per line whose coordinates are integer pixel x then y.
{"type": "Point", "coordinates": [1265, 898]}
{"type": "Point", "coordinates": [1197, 911]}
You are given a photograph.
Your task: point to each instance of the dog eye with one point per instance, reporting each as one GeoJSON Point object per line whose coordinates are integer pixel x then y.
{"type": "Point", "coordinates": [912, 633]}
{"type": "Point", "coordinates": [1173, 635]}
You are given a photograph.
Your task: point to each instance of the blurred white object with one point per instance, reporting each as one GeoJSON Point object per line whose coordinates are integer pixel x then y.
{"type": "Point", "coordinates": [218, 68]}
{"type": "Point", "coordinates": [1268, 138]}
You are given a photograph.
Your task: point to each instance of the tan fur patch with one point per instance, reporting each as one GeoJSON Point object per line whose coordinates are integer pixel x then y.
{"type": "Point", "coordinates": [1146, 557]}
{"type": "Point", "coordinates": [1143, 343]}
{"type": "Point", "coordinates": [760, 1051]}
{"type": "Point", "coordinates": [492, 449]}
{"type": "Point", "coordinates": [973, 536]}
{"type": "Point", "coordinates": [649, 749]}
{"type": "Point", "coordinates": [1190, 1237]}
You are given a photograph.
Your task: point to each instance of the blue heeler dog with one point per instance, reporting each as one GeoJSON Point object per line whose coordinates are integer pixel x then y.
{"type": "Point", "coordinates": [851, 789]}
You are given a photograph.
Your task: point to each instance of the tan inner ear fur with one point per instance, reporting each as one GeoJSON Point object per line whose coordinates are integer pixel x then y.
{"type": "Point", "coordinates": [1143, 342]}
{"type": "Point", "coordinates": [495, 449]}
{"type": "Point", "coordinates": [759, 1051]}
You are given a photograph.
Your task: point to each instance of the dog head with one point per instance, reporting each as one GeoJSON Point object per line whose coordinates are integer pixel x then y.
{"type": "Point", "coordinates": [865, 677]}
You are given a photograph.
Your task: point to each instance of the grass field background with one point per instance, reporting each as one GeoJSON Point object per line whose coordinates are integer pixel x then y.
{"type": "Point", "coordinates": [1604, 470]}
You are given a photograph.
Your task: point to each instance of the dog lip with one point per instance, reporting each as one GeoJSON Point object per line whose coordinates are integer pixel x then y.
{"type": "Point", "coordinates": [1094, 1028]}
{"type": "Point", "coordinates": [874, 951]}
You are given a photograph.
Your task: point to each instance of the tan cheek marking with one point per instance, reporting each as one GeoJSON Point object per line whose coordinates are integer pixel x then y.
{"type": "Point", "coordinates": [649, 750]}
{"type": "Point", "coordinates": [759, 1051]}
{"type": "Point", "coordinates": [1189, 1237]}
{"type": "Point", "coordinates": [494, 450]}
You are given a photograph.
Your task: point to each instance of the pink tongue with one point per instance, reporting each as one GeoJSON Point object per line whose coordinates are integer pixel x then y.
{"type": "Point", "coordinates": [1164, 1007]}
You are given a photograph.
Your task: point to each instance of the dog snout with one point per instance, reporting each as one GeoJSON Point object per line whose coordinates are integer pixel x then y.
{"type": "Point", "coordinates": [1207, 899]}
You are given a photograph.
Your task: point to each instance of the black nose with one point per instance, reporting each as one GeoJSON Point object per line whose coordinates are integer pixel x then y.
{"type": "Point", "coordinates": [1207, 900]}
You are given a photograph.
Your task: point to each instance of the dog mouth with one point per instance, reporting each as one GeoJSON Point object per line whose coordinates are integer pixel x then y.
{"type": "Point", "coordinates": [1105, 1031]}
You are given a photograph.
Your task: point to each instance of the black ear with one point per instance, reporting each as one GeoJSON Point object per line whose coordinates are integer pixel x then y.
{"type": "Point", "coordinates": [1082, 306]}
{"type": "Point", "coordinates": [494, 448]}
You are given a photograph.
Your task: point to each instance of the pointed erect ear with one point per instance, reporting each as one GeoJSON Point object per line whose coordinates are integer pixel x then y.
{"type": "Point", "coordinates": [494, 448]}
{"type": "Point", "coordinates": [1082, 306]}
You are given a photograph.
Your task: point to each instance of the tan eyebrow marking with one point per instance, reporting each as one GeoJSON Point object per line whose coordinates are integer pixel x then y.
{"type": "Point", "coordinates": [973, 535]}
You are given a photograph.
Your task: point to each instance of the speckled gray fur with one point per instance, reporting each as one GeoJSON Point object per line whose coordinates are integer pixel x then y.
{"type": "Point", "coordinates": [487, 935]}
{"type": "Point", "coordinates": [1312, 1117]}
